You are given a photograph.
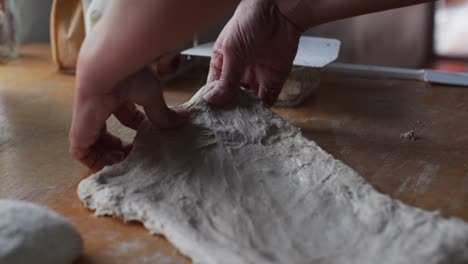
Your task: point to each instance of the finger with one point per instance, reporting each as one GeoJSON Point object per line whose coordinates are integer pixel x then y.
{"type": "Point", "coordinates": [129, 115]}
{"type": "Point", "coordinates": [107, 140]}
{"type": "Point", "coordinates": [146, 90]}
{"type": "Point", "coordinates": [107, 150]}
{"type": "Point", "coordinates": [97, 160]}
{"type": "Point", "coordinates": [248, 80]}
{"type": "Point", "coordinates": [165, 117]}
{"type": "Point", "coordinates": [216, 61]}
{"type": "Point", "coordinates": [268, 95]}
{"type": "Point", "coordinates": [115, 150]}
{"type": "Point", "coordinates": [112, 157]}
{"type": "Point", "coordinates": [229, 80]}
{"type": "Point", "coordinates": [89, 118]}
{"type": "Point", "coordinates": [127, 148]}
{"type": "Point", "coordinates": [271, 83]}
{"type": "Point", "coordinates": [159, 113]}
{"type": "Point", "coordinates": [216, 64]}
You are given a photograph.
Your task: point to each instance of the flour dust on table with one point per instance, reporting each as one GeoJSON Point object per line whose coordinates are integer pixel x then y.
{"type": "Point", "coordinates": [33, 234]}
{"type": "Point", "coordinates": [240, 185]}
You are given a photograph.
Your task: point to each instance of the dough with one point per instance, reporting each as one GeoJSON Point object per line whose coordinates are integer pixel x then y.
{"type": "Point", "coordinates": [301, 84]}
{"type": "Point", "coordinates": [34, 234]}
{"type": "Point", "coordinates": [240, 185]}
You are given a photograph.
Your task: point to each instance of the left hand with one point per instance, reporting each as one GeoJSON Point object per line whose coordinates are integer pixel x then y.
{"type": "Point", "coordinates": [91, 143]}
{"type": "Point", "coordinates": [112, 74]}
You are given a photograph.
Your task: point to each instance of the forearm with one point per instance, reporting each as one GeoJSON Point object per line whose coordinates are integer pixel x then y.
{"type": "Point", "coordinates": [132, 34]}
{"type": "Point", "coordinates": [309, 13]}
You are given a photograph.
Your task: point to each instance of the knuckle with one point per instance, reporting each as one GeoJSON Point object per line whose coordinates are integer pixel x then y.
{"type": "Point", "coordinates": [216, 60]}
{"type": "Point", "coordinates": [230, 47]}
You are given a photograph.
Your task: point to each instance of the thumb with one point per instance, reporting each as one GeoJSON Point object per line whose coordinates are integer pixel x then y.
{"type": "Point", "coordinates": [145, 89]}
{"type": "Point", "coordinates": [229, 79]}
{"type": "Point", "coordinates": [160, 114]}
{"type": "Point", "coordinates": [165, 117]}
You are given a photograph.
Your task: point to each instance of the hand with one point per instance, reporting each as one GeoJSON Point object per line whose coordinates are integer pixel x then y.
{"type": "Point", "coordinates": [91, 143]}
{"type": "Point", "coordinates": [112, 76]}
{"type": "Point", "coordinates": [254, 50]}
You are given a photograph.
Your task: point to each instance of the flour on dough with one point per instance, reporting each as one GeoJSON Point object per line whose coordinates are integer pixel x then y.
{"type": "Point", "coordinates": [34, 234]}
{"type": "Point", "coordinates": [240, 185]}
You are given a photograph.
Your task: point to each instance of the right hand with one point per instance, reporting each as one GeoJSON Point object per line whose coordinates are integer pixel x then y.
{"type": "Point", "coordinates": [254, 50]}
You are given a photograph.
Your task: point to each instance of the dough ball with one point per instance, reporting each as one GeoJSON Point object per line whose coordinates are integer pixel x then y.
{"type": "Point", "coordinates": [34, 234]}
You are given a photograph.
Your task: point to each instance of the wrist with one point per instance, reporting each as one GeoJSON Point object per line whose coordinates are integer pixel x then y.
{"type": "Point", "coordinates": [299, 12]}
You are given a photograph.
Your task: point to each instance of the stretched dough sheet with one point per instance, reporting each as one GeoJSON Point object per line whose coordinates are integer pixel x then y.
{"type": "Point", "coordinates": [240, 185]}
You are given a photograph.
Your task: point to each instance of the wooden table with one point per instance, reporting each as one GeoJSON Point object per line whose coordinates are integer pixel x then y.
{"type": "Point", "coordinates": [357, 120]}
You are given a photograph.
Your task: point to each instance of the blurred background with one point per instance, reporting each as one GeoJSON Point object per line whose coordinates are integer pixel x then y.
{"type": "Point", "coordinates": [34, 16]}
{"type": "Point", "coordinates": [429, 35]}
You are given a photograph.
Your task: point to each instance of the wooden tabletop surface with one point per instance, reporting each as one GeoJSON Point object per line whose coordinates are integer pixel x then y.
{"type": "Point", "coordinates": [359, 121]}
